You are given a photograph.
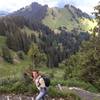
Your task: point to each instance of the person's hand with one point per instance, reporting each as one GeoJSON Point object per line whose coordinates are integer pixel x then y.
{"type": "Point", "coordinates": [33, 79]}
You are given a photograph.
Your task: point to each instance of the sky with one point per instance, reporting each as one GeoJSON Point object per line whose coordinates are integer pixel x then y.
{"type": "Point", "coordinates": [13, 5]}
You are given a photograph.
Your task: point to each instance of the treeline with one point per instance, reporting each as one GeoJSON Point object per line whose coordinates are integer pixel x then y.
{"type": "Point", "coordinates": [56, 47]}
{"type": "Point", "coordinates": [61, 46]}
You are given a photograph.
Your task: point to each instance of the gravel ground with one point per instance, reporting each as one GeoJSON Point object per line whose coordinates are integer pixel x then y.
{"type": "Point", "coordinates": [85, 95]}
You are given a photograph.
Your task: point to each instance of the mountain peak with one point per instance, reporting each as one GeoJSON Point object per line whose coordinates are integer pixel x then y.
{"type": "Point", "coordinates": [34, 11]}
{"type": "Point", "coordinates": [36, 4]}
{"type": "Point", "coordinates": [3, 13]}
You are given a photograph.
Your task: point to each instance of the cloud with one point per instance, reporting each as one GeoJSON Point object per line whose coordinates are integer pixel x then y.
{"type": "Point", "coordinates": [12, 5]}
{"type": "Point", "coordinates": [87, 6]}
{"type": "Point", "coordinates": [84, 5]}
{"type": "Point", "coordinates": [51, 3]}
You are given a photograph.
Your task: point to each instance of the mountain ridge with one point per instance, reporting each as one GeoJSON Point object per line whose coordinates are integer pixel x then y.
{"type": "Point", "coordinates": [3, 13]}
{"type": "Point", "coordinates": [55, 17]}
{"type": "Point", "coordinates": [33, 11]}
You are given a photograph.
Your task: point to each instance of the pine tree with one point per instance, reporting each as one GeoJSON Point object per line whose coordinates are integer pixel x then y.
{"type": "Point", "coordinates": [97, 15]}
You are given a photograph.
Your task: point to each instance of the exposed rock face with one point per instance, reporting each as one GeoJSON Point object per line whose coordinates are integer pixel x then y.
{"type": "Point", "coordinates": [34, 11]}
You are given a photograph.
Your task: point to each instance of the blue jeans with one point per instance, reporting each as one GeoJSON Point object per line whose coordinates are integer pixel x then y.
{"type": "Point", "coordinates": [42, 94]}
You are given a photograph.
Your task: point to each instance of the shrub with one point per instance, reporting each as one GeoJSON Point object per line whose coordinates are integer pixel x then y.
{"type": "Point", "coordinates": [21, 55]}
{"type": "Point", "coordinates": [75, 83]}
{"type": "Point", "coordinates": [51, 74]}
{"type": "Point", "coordinates": [7, 54]}
{"type": "Point", "coordinates": [19, 87]}
{"type": "Point", "coordinates": [16, 85]}
{"type": "Point", "coordinates": [53, 92]}
{"type": "Point", "coordinates": [56, 82]}
{"type": "Point", "coordinates": [81, 84]}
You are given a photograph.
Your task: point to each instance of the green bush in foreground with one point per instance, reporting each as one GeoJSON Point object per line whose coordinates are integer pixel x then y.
{"type": "Point", "coordinates": [20, 87]}
{"type": "Point", "coordinates": [75, 83]}
{"type": "Point", "coordinates": [21, 55]}
{"type": "Point", "coordinates": [6, 53]}
{"type": "Point", "coordinates": [53, 92]}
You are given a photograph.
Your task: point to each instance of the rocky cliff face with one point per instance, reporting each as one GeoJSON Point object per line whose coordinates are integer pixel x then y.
{"type": "Point", "coordinates": [34, 11]}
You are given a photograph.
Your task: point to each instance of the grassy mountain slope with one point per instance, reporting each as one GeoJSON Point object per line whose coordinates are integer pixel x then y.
{"type": "Point", "coordinates": [87, 24]}
{"type": "Point", "coordinates": [69, 17]}
{"type": "Point", "coordinates": [57, 17]}
{"type": "Point", "coordinates": [2, 42]}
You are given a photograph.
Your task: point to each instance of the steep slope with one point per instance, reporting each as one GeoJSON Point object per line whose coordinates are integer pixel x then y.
{"type": "Point", "coordinates": [32, 12]}
{"type": "Point", "coordinates": [57, 17]}
{"type": "Point", "coordinates": [69, 17]}
{"type": "Point", "coordinates": [2, 42]}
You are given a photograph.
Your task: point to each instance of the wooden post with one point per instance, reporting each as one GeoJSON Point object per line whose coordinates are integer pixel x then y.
{"type": "Point", "coordinates": [8, 98]}
{"type": "Point", "coordinates": [60, 88]}
{"type": "Point", "coordinates": [20, 98]}
{"type": "Point", "coordinates": [32, 98]}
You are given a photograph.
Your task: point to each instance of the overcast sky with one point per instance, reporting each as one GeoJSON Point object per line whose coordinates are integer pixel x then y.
{"type": "Point", "coordinates": [13, 5]}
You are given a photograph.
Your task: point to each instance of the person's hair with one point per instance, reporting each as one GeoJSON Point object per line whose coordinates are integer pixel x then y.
{"type": "Point", "coordinates": [37, 71]}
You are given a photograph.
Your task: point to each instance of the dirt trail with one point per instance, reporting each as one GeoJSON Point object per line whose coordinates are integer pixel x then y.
{"type": "Point", "coordinates": [85, 95]}
{"type": "Point", "coordinates": [22, 97]}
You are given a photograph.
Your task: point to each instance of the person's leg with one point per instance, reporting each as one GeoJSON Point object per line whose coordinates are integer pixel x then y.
{"type": "Point", "coordinates": [41, 94]}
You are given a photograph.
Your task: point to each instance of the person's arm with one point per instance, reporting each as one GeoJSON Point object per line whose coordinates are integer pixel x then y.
{"type": "Point", "coordinates": [27, 74]}
{"type": "Point", "coordinates": [42, 83]}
